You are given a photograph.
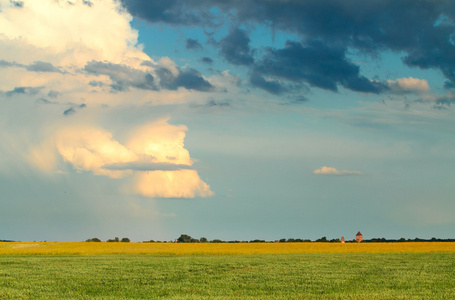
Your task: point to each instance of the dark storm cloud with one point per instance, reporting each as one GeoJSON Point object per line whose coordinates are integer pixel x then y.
{"type": "Point", "coordinates": [193, 80]}
{"type": "Point", "coordinates": [72, 110]}
{"type": "Point", "coordinates": [17, 3]}
{"type": "Point", "coordinates": [444, 101]}
{"type": "Point", "coordinates": [122, 76]}
{"type": "Point", "coordinates": [53, 94]}
{"type": "Point", "coordinates": [24, 90]}
{"type": "Point", "coordinates": [87, 2]}
{"type": "Point", "coordinates": [175, 12]}
{"type": "Point", "coordinates": [422, 30]}
{"type": "Point", "coordinates": [40, 66]}
{"type": "Point", "coordinates": [271, 86]}
{"type": "Point", "coordinates": [193, 44]}
{"type": "Point", "coordinates": [314, 63]}
{"type": "Point", "coordinates": [218, 103]}
{"type": "Point", "coordinates": [95, 83]}
{"type": "Point", "coordinates": [69, 111]}
{"type": "Point", "coordinates": [6, 64]}
{"type": "Point", "coordinates": [207, 60]}
{"type": "Point", "coordinates": [36, 66]}
{"type": "Point", "coordinates": [189, 79]}
{"type": "Point", "coordinates": [235, 48]}
{"type": "Point", "coordinates": [43, 101]}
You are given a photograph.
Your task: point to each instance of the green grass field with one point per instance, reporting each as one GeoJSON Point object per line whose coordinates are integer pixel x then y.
{"type": "Point", "coordinates": [284, 276]}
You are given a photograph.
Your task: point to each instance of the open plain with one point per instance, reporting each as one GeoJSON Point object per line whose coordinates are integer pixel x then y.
{"type": "Point", "coordinates": [227, 271]}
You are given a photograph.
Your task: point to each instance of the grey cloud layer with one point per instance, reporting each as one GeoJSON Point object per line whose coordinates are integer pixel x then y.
{"type": "Point", "coordinates": [422, 30]}
{"type": "Point", "coordinates": [314, 63]}
{"type": "Point", "coordinates": [123, 77]}
{"type": "Point", "coordinates": [36, 66]}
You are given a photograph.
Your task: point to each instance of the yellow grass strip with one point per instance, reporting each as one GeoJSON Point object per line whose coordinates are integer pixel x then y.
{"type": "Point", "coordinates": [84, 248]}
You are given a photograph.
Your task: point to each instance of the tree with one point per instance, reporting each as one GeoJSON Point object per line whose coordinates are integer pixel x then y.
{"type": "Point", "coordinates": [184, 238]}
{"type": "Point", "coordinates": [116, 240]}
{"type": "Point", "coordinates": [203, 240]}
{"type": "Point", "coordinates": [93, 240]}
{"type": "Point", "coordinates": [125, 240]}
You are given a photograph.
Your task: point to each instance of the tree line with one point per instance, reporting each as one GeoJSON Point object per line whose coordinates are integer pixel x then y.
{"type": "Point", "coordinates": [114, 240]}
{"type": "Point", "coordinates": [184, 238]}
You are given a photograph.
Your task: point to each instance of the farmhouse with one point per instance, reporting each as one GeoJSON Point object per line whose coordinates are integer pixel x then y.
{"type": "Point", "coordinates": [359, 237]}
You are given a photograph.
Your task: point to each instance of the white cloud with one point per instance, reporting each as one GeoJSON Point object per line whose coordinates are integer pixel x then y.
{"type": "Point", "coordinates": [74, 56]}
{"type": "Point", "coordinates": [68, 34]}
{"type": "Point", "coordinates": [170, 184]}
{"type": "Point", "coordinates": [154, 156]}
{"type": "Point", "coordinates": [160, 142]}
{"type": "Point", "coordinates": [409, 85]}
{"type": "Point", "coordinates": [332, 171]}
{"type": "Point", "coordinates": [90, 149]}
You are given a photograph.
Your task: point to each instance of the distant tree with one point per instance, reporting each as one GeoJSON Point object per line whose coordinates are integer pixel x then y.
{"type": "Point", "coordinates": [184, 238]}
{"type": "Point", "coordinates": [402, 240]}
{"type": "Point", "coordinates": [125, 240]}
{"type": "Point", "coordinates": [322, 240]}
{"type": "Point", "coordinates": [282, 240]}
{"type": "Point", "coordinates": [203, 240]}
{"type": "Point", "coordinates": [378, 240]}
{"type": "Point", "coordinates": [216, 241]}
{"type": "Point", "coordinates": [93, 240]}
{"type": "Point", "coordinates": [115, 240]}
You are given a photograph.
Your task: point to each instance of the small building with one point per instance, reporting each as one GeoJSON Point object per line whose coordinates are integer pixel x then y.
{"type": "Point", "coordinates": [359, 237]}
{"type": "Point", "coordinates": [342, 240]}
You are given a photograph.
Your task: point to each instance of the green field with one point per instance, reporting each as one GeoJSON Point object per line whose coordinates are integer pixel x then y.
{"type": "Point", "coordinates": [286, 276]}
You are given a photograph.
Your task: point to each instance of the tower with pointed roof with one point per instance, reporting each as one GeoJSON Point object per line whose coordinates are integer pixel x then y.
{"type": "Point", "coordinates": [359, 237]}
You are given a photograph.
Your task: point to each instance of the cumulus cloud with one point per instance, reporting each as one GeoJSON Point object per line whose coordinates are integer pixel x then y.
{"type": "Point", "coordinates": [332, 171]}
{"type": "Point", "coordinates": [409, 85]}
{"type": "Point", "coordinates": [86, 65]}
{"type": "Point", "coordinates": [175, 184]}
{"type": "Point", "coordinates": [94, 60]}
{"type": "Point", "coordinates": [160, 142]}
{"type": "Point", "coordinates": [52, 29]}
{"type": "Point", "coordinates": [154, 157]}
{"type": "Point", "coordinates": [90, 149]}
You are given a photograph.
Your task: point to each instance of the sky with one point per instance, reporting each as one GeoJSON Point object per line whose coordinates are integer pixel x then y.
{"type": "Point", "coordinates": [225, 119]}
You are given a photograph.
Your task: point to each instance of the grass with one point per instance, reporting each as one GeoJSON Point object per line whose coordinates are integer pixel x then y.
{"type": "Point", "coordinates": [227, 271]}
{"type": "Point", "coordinates": [254, 276]}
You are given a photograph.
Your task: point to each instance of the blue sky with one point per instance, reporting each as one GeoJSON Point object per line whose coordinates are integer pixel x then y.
{"type": "Point", "coordinates": [231, 120]}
